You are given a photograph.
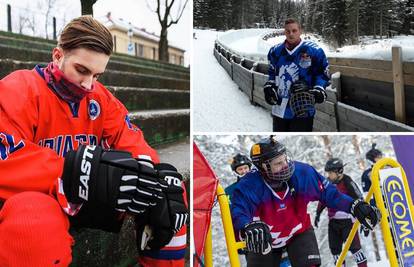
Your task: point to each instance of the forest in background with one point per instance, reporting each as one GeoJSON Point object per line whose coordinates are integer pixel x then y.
{"type": "Point", "coordinates": [340, 22]}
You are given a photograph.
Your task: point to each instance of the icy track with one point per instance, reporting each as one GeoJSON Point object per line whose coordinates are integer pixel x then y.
{"type": "Point", "coordinates": [218, 104]}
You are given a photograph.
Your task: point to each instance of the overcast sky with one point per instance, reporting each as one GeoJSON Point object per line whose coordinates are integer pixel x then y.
{"type": "Point", "coordinates": [135, 11]}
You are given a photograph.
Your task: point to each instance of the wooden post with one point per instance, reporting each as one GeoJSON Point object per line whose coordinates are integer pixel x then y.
{"type": "Point", "coordinates": [9, 22]}
{"type": "Point", "coordinates": [336, 83]}
{"type": "Point", "coordinates": [398, 77]}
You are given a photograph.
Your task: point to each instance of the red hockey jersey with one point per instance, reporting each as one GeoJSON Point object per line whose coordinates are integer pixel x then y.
{"type": "Point", "coordinates": [37, 128]}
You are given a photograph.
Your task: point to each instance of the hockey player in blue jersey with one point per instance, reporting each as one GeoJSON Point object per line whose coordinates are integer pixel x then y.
{"type": "Point", "coordinates": [269, 207]}
{"type": "Point", "coordinates": [372, 155]}
{"type": "Point", "coordinates": [298, 76]}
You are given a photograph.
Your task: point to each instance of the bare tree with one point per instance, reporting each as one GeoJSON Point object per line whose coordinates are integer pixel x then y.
{"type": "Point", "coordinates": [86, 6]}
{"type": "Point", "coordinates": [22, 22]}
{"type": "Point", "coordinates": [49, 6]}
{"type": "Point", "coordinates": [327, 143]}
{"type": "Point", "coordinates": [31, 24]}
{"type": "Point", "coordinates": [166, 19]}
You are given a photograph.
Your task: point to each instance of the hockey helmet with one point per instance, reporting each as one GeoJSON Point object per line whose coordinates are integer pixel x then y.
{"type": "Point", "coordinates": [373, 153]}
{"type": "Point", "coordinates": [240, 160]}
{"type": "Point", "coordinates": [334, 165]}
{"type": "Point", "coordinates": [262, 154]}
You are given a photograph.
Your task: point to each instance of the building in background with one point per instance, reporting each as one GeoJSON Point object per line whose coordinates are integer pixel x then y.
{"type": "Point", "coordinates": [132, 40]}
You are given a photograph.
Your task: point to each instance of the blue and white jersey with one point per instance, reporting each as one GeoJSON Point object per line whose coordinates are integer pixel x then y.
{"type": "Point", "coordinates": [307, 61]}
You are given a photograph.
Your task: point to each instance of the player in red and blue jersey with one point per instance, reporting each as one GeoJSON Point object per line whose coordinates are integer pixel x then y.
{"type": "Point", "coordinates": [269, 207]}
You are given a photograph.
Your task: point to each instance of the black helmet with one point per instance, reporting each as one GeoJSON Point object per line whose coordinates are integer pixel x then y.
{"type": "Point", "coordinates": [334, 165]}
{"type": "Point", "coordinates": [264, 152]}
{"type": "Point", "coordinates": [373, 153]}
{"type": "Point", "coordinates": [240, 160]}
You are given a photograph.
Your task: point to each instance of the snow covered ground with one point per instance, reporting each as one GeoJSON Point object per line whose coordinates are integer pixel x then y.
{"type": "Point", "coordinates": [218, 104]}
{"type": "Point", "coordinates": [218, 150]}
{"type": "Point", "coordinates": [369, 48]}
{"type": "Point", "coordinates": [378, 48]}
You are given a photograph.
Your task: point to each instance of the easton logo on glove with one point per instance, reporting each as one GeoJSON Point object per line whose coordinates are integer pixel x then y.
{"type": "Point", "coordinates": [86, 170]}
{"type": "Point", "coordinates": [111, 178]}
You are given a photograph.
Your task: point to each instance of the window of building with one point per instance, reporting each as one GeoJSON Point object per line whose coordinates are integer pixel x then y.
{"type": "Point", "coordinates": [154, 56]}
{"type": "Point", "coordinates": [140, 50]}
{"type": "Point", "coordinates": [181, 60]}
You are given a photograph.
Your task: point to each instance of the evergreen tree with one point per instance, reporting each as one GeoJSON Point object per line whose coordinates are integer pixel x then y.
{"type": "Point", "coordinates": [336, 23]}
{"type": "Point", "coordinates": [408, 18]}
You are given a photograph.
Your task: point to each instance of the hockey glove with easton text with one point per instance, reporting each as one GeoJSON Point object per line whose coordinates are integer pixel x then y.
{"type": "Point", "coordinates": [168, 217]}
{"type": "Point", "coordinates": [270, 93]}
{"type": "Point", "coordinates": [258, 238]}
{"type": "Point", "coordinates": [367, 215]}
{"type": "Point", "coordinates": [112, 178]}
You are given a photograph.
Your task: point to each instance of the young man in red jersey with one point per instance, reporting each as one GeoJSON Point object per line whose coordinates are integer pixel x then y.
{"type": "Point", "coordinates": [69, 155]}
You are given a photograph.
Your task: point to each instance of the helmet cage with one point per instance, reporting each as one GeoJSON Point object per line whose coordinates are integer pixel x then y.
{"type": "Point", "coordinates": [301, 103]}
{"type": "Point", "coordinates": [281, 176]}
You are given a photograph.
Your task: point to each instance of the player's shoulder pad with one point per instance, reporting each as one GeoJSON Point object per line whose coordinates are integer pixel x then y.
{"type": "Point", "coordinates": [311, 44]}
{"type": "Point", "coordinates": [314, 48]}
{"type": "Point", "coordinates": [276, 49]}
{"type": "Point", "coordinates": [250, 180]}
{"type": "Point", "coordinates": [106, 96]}
{"type": "Point", "coordinates": [22, 83]}
{"type": "Point", "coordinates": [304, 171]}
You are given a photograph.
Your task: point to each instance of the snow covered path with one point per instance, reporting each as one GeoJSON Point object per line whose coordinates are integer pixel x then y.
{"type": "Point", "coordinates": [218, 104]}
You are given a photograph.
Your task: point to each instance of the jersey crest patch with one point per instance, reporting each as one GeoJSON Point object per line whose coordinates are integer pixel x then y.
{"type": "Point", "coordinates": [94, 109]}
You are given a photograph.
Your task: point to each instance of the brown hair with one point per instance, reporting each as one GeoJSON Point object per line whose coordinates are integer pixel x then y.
{"type": "Point", "coordinates": [291, 20]}
{"type": "Point", "coordinates": [86, 32]}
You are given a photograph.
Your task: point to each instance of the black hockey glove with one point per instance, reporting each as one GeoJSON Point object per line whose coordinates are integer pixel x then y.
{"type": "Point", "coordinates": [363, 230]}
{"type": "Point", "coordinates": [367, 215]}
{"type": "Point", "coordinates": [270, 93]}
{"type": "Point", "coordinates": [319, 94]}
{"type": "Point", "coordinates": [258, 238]}
{"type": "Point", "coordinates": [111, 178]}
{"type": "Point", "coordinates": [168, 217]}
{"type": "Point", "coordinates": [299, 86]}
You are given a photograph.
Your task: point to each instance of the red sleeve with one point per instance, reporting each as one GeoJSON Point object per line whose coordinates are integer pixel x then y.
{"type": "Point", "coordinates": [120, 133]}
{"type": "Point", "coordinates": [24, 166]}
